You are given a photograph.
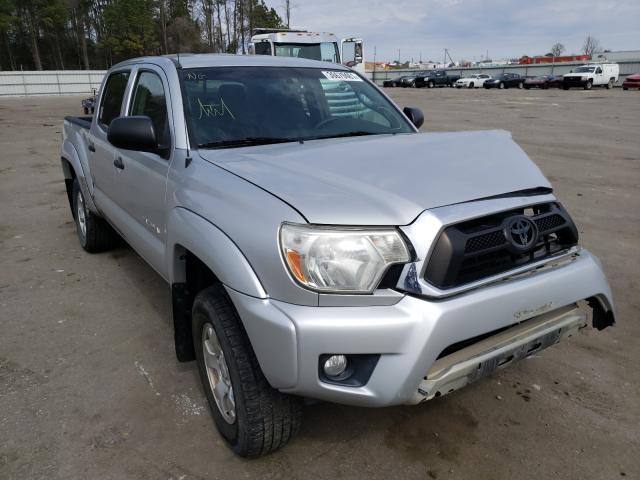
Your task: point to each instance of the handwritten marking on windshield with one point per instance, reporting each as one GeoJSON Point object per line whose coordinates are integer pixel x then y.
{"type": "Point", "coordinates": [195, 76]}
{"type": "Point", "coordinates": [214, 109]}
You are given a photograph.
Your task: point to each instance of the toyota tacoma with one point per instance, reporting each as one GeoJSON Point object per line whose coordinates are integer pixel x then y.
{"type": "Point", "coordinates": [316, 244]}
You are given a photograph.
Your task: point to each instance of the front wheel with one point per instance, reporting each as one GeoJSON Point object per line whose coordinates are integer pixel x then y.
{"type": "Point", "coordinates": [588, 85]}
{"type": "Point", "coordinates": [501, 86]}
{"type": "Point", "coordinates": [520, 85]}
{"type": "Point", "coordinates": [471, 85]}
{"type": "Point", "coordinates": [253, 417]}
{"type": "Point", "coordinates": [430, 84]}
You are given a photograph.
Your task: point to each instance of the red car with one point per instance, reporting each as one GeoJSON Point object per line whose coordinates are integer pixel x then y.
{"type": "Point", "coordinates": [632, 81]}
{"type": "Point", "coordinates": [543, 81]}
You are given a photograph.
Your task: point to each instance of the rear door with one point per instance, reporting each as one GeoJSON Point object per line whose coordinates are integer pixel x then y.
{"type": "Point", "coordinates": [101, 153]}
{"type": "Point", "coordinates": [142, 180]}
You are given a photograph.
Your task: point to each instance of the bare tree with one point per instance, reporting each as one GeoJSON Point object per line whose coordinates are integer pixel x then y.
{"type": "Point", "coordinates": [557, 49]}
{"type": "Point", "coordinates": [591, 45]}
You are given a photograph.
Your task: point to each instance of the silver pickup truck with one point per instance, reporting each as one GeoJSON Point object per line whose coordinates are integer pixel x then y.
{"type": "Point", "coordinates": [315, 243]}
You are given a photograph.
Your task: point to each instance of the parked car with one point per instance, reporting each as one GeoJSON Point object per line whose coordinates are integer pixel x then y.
{"type": "Point", "coordinates": [436, 78]}
{"type": "Point", "coordinates": [543, 81]}
{"type": "Point", "coordinates": [506, 80]}
{"type": "Point", "coordinates": [472, 81]}
{"type": "Point", "coordinates": [294, 275]}
{"type": "Point", "coordinates": [410, 80]}
{"type": "Point", "coordinates": [632, 81]}
{"type": "Point", "coordinates": [588, 76]}
{"type": "Point", "coordinates": [396, 82]}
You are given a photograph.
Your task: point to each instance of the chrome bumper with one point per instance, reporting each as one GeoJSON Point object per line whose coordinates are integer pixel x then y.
{"type": "Point", "coordinates": [481, 359]}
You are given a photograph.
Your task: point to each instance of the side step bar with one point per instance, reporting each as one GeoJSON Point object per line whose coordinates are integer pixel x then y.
{"type": "Point", "coordinates": [481, 359]}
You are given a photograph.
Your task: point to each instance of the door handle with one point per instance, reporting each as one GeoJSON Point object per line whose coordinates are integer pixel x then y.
{"type": "Point", "coordinates": [118, 163]}
{"type": "Point", "coordinates": [92, 147]}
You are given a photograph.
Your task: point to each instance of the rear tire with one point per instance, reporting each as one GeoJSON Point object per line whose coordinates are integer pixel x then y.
{"type": "Point", "coordinates": [263, 419]}
{"type": "Point", "coordinates": [94, 233]}
{"type": "Point", "coordinates": [610, 84]}
{"type": "Point", "coordinates": [565, 88]}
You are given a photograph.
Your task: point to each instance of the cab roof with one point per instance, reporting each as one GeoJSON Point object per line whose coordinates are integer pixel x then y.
{"type": "Point", "coordinates": [203, 60]}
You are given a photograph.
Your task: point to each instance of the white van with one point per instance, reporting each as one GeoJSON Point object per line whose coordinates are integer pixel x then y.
{"type": "Point", "coordinates": [593, 74]}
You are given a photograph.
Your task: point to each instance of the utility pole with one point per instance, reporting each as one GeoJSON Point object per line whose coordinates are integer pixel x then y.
{"type": "Point", "coordinates": [398, 56]}
{"type": "Point", "coordinates": [287, 4]}
{"type": "Point", "coordinates": [373, 76]}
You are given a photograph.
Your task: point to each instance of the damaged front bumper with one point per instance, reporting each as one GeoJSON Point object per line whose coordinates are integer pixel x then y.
{"type": "Point", "coordinates": [410, 339]}
{"type": "Point", "coordinates": [478, 360]}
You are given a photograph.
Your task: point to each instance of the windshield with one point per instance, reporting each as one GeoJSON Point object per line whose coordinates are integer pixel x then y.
{"type": "Point", "coordinates": [585, 69]}
{"type": "Point", "coordinates": [243, 106]}
{"type": "Point", "coordinates": [325, 51]}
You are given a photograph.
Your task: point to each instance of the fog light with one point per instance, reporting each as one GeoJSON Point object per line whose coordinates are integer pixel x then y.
{"type": "Point", "coordinates": [335, 365]}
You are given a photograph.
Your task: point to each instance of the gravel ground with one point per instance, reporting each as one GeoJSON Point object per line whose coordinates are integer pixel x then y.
{"type": "Point", "coordinates": [90, 387]}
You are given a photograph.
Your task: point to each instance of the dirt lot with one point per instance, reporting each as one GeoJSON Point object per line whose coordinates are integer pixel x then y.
{"type": "Point", "coordinates": [89, 384]}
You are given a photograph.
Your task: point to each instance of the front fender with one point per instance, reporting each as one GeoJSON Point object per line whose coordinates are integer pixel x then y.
{"type": "Point", "coordinates": [213, 247]}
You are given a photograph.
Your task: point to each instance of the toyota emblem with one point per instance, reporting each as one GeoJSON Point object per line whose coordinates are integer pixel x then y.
{"type": "Point", "coordinates": [521, 232]}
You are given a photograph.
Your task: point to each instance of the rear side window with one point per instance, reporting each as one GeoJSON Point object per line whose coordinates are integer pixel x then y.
{"type": "Point", "coordinates": [149, 99]}
{"type": "Point", "coordinates": [112, 97]}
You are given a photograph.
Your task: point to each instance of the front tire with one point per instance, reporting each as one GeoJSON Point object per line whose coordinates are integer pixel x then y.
{"type": "Point", "coordinates": [254, 418]}
{"type": "Point", "coordinates": [94, 233]}
{"type": "Point", "coordinates": [501, 86]}
{"type": "Point", "coordinates": [430, 84]}
{"type": "Point", "coordinates": [588, 85]}
{"type": "Point", "coordinates": [471, 85]}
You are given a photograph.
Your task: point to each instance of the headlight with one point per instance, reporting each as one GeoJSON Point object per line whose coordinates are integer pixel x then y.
{"type": "Point", "coordinates": [344, 260]}
{"type": "Point", "coordinates": [584, 79]}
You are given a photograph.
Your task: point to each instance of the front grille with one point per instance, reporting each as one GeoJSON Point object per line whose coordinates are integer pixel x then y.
{"type": "Point", "coordinates": [479, 248]}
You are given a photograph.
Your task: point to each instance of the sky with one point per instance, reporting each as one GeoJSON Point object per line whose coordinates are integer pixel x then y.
{"type": "Point", "coordinates": [470, 28]}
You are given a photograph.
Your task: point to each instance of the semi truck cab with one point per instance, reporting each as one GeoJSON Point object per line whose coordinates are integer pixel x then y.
{"type": "Point", "coordinates": [321, 46]}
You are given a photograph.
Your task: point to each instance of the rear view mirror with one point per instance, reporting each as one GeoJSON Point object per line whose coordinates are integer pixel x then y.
{"type": "Point", "coordinates": [415, 115]}
{"type": "Point", "coordinates": [133, 133]}
{"type": "Point", "coordinates": [351, 51]}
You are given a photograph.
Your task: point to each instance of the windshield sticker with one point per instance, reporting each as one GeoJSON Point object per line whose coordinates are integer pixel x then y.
{"type": "Point", "coordinates": [214, 109]}
{"type": "Point", "coordinates": [342, 76]}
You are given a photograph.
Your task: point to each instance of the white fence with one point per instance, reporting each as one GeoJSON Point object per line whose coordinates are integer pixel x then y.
{"type": "Point", "coordinates": [50, 82]}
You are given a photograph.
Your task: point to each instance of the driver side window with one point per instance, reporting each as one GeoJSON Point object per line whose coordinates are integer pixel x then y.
{"type": "Point", "coordinates": [599, 70]}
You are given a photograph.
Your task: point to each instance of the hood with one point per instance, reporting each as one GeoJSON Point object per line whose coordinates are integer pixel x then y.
{"type": "Point", "coordinates": [384, 179]}
{"type": "Point", "coordinates": [577, 74]}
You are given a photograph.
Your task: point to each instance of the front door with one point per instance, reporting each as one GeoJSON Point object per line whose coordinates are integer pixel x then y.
{"type": "Point", "coordinates": [142, 178]}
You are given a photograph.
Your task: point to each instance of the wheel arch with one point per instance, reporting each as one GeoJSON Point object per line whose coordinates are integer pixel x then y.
{"type": "Point", "coordinates": [200, 254]}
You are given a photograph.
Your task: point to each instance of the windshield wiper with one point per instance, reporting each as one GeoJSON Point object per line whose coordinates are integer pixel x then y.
{"type": "Point", "coordinates": [358, 133]}
{"type": "Point", "coordinates": [246, 142]}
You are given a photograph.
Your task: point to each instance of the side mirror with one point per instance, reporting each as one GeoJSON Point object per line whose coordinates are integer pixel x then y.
{"type": "Point", "coordinates": [133, 133]}
{"type": "Point", "coordinates": [415, 115]}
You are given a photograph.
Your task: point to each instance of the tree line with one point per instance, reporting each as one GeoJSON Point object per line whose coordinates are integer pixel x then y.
{"type": "Point", "coordinates": [95, 34]}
